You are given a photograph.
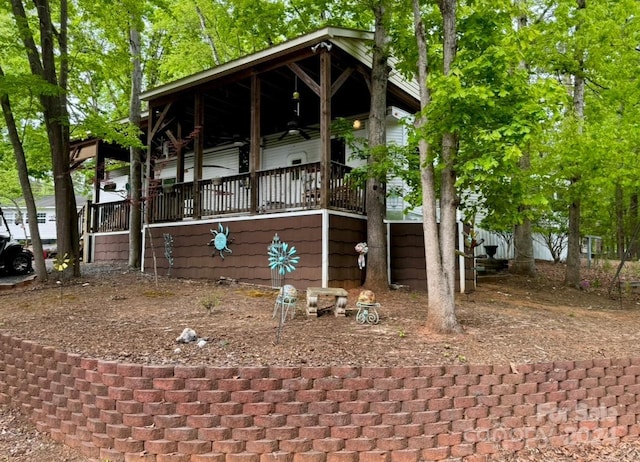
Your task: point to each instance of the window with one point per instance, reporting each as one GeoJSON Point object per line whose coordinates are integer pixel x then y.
{"type": "Point", "coordinates": [41, 217]}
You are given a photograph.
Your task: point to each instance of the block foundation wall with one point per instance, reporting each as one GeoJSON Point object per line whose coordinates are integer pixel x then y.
{"type": "Point", "coordinates": [118, 411]}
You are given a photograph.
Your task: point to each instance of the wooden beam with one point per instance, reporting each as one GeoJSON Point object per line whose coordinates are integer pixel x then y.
{"type": "Point", "coordinates": [159, 123]}
{"type": "Point", "coordinates": [367, 78]}
{"type": "Point", "coordinates": [341, 80]}
{"type": "Point", "coordinates": [325, 126]}
{"type": "Point", "coordinates": [297, 70]}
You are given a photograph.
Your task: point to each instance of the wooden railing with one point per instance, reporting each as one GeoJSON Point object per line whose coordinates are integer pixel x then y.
{"type": "Point", "coordinates": [286, 188]}
{"type": "Point", "coordinates": [111, 216]}
{"type": "Point", "coordinates": [343, 192]}
{"type": "Point", "coordinates": [218, 196]}
{"type": "Point", "coordinates": [281, 189]}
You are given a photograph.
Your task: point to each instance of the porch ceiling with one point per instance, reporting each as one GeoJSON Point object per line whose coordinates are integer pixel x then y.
{"type": "Point", "coordinates": [227, 97]}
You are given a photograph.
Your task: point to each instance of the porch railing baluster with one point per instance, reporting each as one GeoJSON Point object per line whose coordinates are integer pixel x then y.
{"type": "Point", "coordinates": [286, 188]}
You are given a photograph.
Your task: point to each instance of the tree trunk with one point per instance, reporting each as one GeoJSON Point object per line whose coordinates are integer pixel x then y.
{"type": "Point", "coordinates": [57, 123]}
{"type": "Point", "coordinates": [524, 260]}
{"type": "Point", "coordinates": [207, 36]}
{"type": "Point", "coordinates": [135, 165]}
{"type": "Point", "coordinates": [25, 184]}
{"type": "Point", "coordinates": [377, 278]}
{"type": "Point", "coordinates": [572, 274]}
{"type": "Point", "coordinates": [620, 227]}
{"type": "Point", "coordinates": [633, 224]}
{"type": "Point", "coordinates": [440, 267]}
{"type": "Point", "coordinates": [42, 62]}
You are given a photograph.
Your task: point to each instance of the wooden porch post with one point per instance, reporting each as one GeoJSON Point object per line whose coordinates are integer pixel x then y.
{"type": "Point", "coordinates": [179, 158]}
{"type": "Point", "coordinates": [99, 169]}
{"type": "Point", "coordinates": [198, 120]}
{"type": "Point", "coordinates": [152, 131]}
{"type": "Point", "coordinates": [100, 172]}
{"type": "Point", "coordinates": [325, 126]}
{"type": "Point", "coordinates": [254, 152]}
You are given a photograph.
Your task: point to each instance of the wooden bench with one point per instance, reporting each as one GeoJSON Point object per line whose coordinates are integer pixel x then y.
{"type": "Point", "coordinates": [340, 299]}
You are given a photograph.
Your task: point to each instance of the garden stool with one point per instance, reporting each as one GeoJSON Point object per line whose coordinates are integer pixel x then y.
{"type": "Point", "coordinates": [340, 299]}
{"type": "Point", "coordinates": [367, 313]}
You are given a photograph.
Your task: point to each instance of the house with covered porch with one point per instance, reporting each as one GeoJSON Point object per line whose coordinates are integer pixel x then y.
{"type": "Point", "coordinates": [245, 151]}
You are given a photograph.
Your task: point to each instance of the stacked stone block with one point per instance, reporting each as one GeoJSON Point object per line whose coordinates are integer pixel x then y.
{"type": "Point", "coordinates": [125, 412]}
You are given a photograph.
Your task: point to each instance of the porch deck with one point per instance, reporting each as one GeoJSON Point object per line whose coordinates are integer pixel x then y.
{"type": "Point", "coordinates": [284, 189]}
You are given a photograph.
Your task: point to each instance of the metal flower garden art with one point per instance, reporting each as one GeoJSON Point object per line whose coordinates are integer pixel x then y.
{"type": "Point", "coordinates": [168, 250]}
{"type": "Point", "coordinates": [60, 264]}
{"type": "Point", "coordinates": [283, 260]}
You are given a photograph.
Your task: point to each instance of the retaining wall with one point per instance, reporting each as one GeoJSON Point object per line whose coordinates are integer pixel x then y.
{"type": "Point", "coordinates": [159, 413]}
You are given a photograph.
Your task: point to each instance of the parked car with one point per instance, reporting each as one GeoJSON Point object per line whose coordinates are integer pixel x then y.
{"type": "Point", "coordinates": [14, 258]}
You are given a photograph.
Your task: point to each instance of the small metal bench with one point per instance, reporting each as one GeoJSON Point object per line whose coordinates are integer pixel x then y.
{"type": "Point", "coordinates": [340, 299]}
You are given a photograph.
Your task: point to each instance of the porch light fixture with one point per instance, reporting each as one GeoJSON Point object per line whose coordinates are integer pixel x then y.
{"type": "Point", "coordinates": [327, 45]}
{"type": "Point", "coordinates": [357, 124]}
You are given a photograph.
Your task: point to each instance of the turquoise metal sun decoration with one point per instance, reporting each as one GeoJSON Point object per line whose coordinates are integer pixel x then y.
{"type": "Point", "coordinates": [220, 240]}
{"type": "Point", "coordinates": [282, 258]}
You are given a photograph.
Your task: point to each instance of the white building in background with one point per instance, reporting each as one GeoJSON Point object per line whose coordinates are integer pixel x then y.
{"type": "Point", "coordinates": [18, 222]}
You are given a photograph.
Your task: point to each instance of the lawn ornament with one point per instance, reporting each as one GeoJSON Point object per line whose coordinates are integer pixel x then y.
{"type": "Point", "coordinates": [168, 250]}
{"type": "Point", "coordinates": [362, 249]}
{"type": "Point", "coordinates": [471, 240]}
{"type": "Point", "coordinates": [286, 300]}
{"type": "Point", "coordinates": [283, 260]}
{"type": "Point", "coordinates": [220, 240]}
{"type": "Point", "coordinates": [288, 292]}
{"type": "Point", "coordinates": [367, 296]}
{"type": "Point", "coordinates": [367, 308]}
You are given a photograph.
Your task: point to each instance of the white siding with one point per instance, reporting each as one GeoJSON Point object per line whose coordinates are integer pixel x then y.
{"type": "Point", "coordinates": [276, 154]}
{"type": "Point", "coordinates": [221, 162]}
{"type": "Point", "coordinates": [506, 251]}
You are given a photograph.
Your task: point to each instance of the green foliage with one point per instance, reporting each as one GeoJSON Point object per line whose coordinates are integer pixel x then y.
{"type": "Point", "coordinates": [210, 302]}
{"type": "Point", "coordinates": [508, 97]}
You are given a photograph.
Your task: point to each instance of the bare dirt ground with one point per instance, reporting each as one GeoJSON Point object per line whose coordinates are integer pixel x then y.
{"type": "Point", "coordinates": [111, 313]}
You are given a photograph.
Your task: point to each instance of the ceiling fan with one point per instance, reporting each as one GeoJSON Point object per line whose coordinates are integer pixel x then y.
{"type": "Point", "coordinates": [293, 125]}
{"type": "Point", "coordinates": [234, 140]}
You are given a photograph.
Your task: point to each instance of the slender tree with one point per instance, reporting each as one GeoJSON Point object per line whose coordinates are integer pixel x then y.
{"type": "Point", "coordinates": [438, 240]}
{"type": "Point", "coordinates": [572, 273]}
{"type": "Point", "coordinates": [524, 261]}
{"type": "Point", "coordinates": [25, 184]}
{"type": "Point", "coordinates": [135, 165]}
{"type": "Point", "coordinates": [50, 63]}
